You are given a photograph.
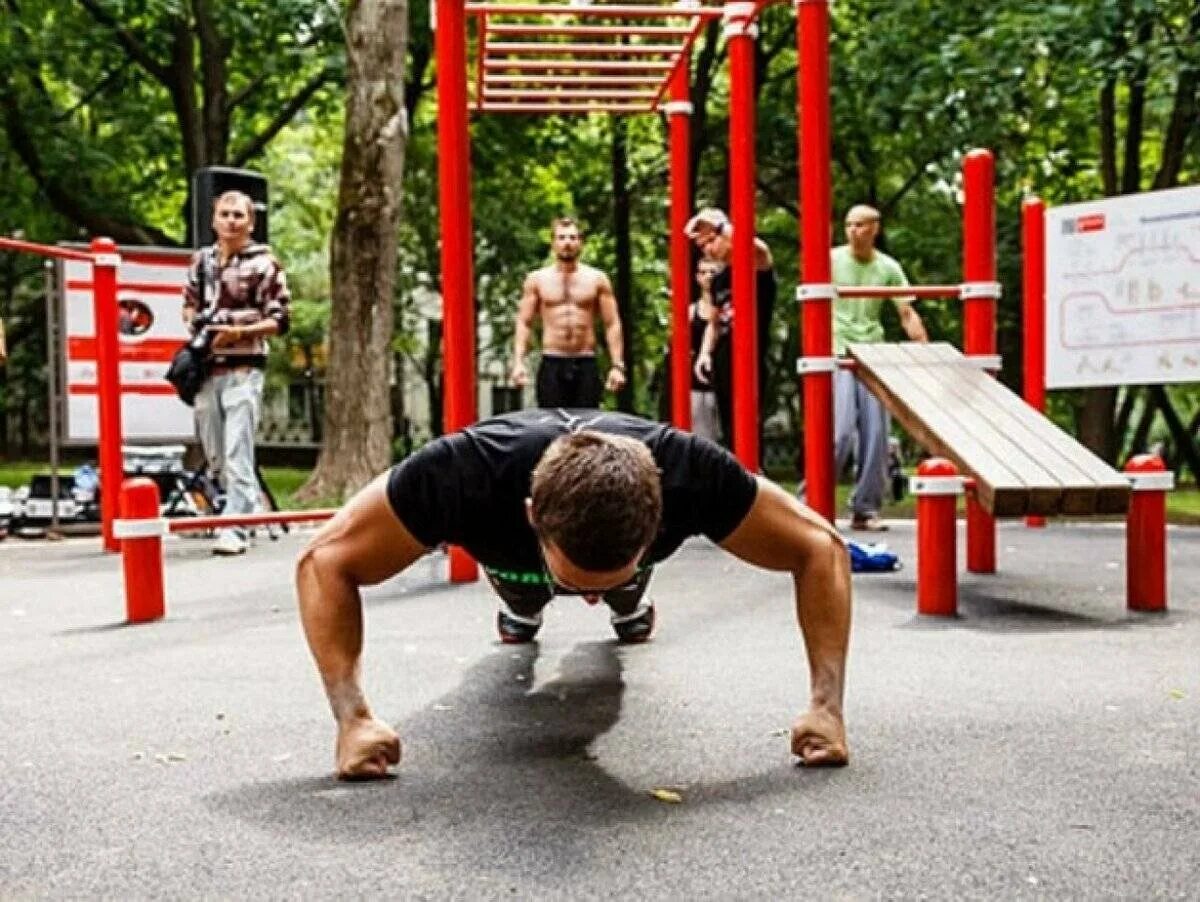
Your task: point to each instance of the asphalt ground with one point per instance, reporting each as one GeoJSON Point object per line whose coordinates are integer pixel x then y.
{"type": "Point", "coordinates": [1044, 744]}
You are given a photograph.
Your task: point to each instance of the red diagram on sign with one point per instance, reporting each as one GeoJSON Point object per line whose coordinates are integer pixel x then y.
{"type": "Point", "coordinates": [1140, 308]}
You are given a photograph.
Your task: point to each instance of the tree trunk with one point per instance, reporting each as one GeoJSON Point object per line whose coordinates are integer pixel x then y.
{"type": "Point", "coordinates": [1187, 450]}
{"type": "Point", "coordinates": [358, 417]}
{"type": "Point", "coordinates": [623, 287]}
{"type": "Point", "coordinates": [1096, 421]}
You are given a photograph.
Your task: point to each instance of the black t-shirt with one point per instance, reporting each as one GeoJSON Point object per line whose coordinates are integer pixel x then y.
{"type": "Point", "coordinates": [765, 291]}
{"type": "Point", "coordinates": [469, 488]}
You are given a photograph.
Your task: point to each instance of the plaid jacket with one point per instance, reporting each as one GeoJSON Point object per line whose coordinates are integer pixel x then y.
{"type": "Point", "coordinates": [250, 287]}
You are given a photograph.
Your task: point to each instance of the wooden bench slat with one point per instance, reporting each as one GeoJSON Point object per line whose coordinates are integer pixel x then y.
{"type": "Point", "coordinates": [945, 388]}
{"type": "Point", "coordinates": [1021, 461]}
{"type": "Point", "coordinates": [999, 489]}
{"type": "Point", "coordinates": [1025, 446]}
{"type": "Point", "coordinates": [1046, 488]}
{"type": "Point", "coordinates": [1109, 488]}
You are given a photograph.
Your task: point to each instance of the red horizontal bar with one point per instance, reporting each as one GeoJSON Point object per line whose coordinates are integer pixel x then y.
{"type": "Point", "coordinates": [151, 350]}
{"type": "Point", "coordinates": [45, 250]}
{"type": "Point", "coordinates": [547, 48]}
{"type": "Point", "coordinates": [650, 81]}
{"type": "Point", "coordinates": [897, 291]}
{"type": "Point", "coordinates": [139, 287]}
{"type": "Point", "coordinates": [531, 28]}
{"type": "Point", "coordinates": [567, 95]}
{"type": "Point", "coordinates": [193, 524]}
{"type": "Point", "coordinates": [599, 10]}
{"type": "Point", "coordinates": [578, 65]}
{"type": "Point", "coordinates": [127, 388]}
{"type": "Point", "coordinates": [561, 108]}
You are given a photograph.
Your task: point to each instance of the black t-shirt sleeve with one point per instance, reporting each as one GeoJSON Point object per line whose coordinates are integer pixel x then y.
{"type": "Point", "coordinates": [705, 490]}
{"type": "Point", "coordinates": [422, 496]}
{"type": "Point", "coordinates": [729, 490]}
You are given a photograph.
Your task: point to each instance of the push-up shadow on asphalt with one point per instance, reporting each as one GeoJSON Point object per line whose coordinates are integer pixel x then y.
{"type": "Point", "coordinates": [494, 760]}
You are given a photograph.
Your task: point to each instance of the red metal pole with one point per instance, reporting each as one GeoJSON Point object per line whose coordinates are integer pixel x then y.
{"type": "Point", "coordinates": [979, 320]}
{"type": "Point", "coordinates": [141, 555]}
{"type": "Point", "coordinates": [1033, 344]}
{"type": "Point", "coordinates": [740, 33]}
{"type": "Point", "coordinates": [937, 486]}
{"type": "Point", "coordinates": [1146, 534]}
{"type": "Point", "coordinates": [108, 381]}
{"type": "Point", "coordinates": [454, 206]}
{"type": "Point", "coordinates": [812, 97]}
{"type": "Point", "coordinates": [679, 110]}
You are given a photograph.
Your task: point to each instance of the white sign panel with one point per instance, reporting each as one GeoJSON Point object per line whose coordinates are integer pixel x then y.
{"type": "Point", "coordinates": [150, 295]}
{"type": "Point", "coordinates": [1123, 290]}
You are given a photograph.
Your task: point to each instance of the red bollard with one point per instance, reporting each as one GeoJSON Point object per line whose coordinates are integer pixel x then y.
{"type": "Point", "coordinates": [937, 486]}
{"type": "Point", "coordinates": [141, 550]}
{"type": "Point", "coordinates": [1146, 533]}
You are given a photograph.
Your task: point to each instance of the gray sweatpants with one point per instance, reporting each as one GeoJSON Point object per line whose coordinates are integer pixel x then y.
{"type": "Point", "coordinates": [860, 429]}
{"type": "Point", "coordinates": [228, 409]}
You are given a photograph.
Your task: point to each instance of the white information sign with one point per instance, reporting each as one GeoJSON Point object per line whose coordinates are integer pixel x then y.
{"type": "Point", "coordinates": [150, 296]}
{"type": "Point", "coordinates": [1123, 290]}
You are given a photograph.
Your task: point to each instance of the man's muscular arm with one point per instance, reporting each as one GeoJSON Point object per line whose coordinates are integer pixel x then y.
{"type": "Point", "coordinates": [613, 336]}
{"type": "Point", "coordinates": [779, 533]}
{"type": "Point", "coordinates": [526, 312]}
{"type": "Point", "coordinates": [364, 544]}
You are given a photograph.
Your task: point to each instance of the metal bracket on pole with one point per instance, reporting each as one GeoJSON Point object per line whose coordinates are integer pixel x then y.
{"type": "Point", "coordinates": [968, 290]}
{"type": "Point", "coordinates": [107, 259]}
{"type": "Point", "coordinates": [1151, 482]}
{"type": "Point", "coordinates": [936, 485]}
{"type": "Point", "coordinates": [140, 529]}
{"type": "Point", "coordinates": [673, 107]}
{"type": "Point", "coordinates": [739, 20]}
{"type": "Point", "coordinates": [992, 362]}
{"type": "Point", "coordinates": [815, 291]}
{"type": "Point", "coordinates": [807, 365]}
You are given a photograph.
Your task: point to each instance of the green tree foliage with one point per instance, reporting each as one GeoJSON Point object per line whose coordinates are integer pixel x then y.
{"type": "Point", "coordinates": [112, 104]}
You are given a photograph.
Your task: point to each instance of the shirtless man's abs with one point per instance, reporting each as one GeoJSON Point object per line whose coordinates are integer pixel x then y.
{"type": "Point", "coordinates": [567, 296]}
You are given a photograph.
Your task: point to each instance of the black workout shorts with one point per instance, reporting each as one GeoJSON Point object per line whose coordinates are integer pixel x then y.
{"type": "Point", "coordinates": [571, 382]}
{"type": "Point", "coordinates": [527, 593]}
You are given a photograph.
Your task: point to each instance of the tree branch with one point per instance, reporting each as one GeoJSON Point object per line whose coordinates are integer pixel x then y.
{"type": "Point", "coordinates": [128, 41]}
{"type": "Point", "coordinates": [62, 200]}
{"type": "Point", "coordinates": [1185, 112]}
{"type": "Point", "coordinates": [778, 199]}
{"type": "Point", "coordinates": [1131, 170]}
{"type": "Point", "coordinates": [285, 115]}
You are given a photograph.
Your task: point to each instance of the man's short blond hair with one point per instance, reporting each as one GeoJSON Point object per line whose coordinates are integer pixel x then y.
{"type": "Point", "coordinates": [241, 197]}
{"type": "Point", "coordinates": [707, 217]}
{"type": "Point", "coordinates": [864, 211]}
{"type": "Point", "coordinates": [561, 222]}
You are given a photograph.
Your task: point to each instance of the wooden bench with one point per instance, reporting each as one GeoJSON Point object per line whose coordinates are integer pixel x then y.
{"type": "Point", "coordinates": [1021, 462]}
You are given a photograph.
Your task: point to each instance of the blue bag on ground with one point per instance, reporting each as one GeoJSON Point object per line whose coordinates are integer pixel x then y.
{"type": "Point", "coordinates": [872, 558]}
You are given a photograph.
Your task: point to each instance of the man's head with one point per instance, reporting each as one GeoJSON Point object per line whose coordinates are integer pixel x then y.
{"type": "Point", "coordinates": [711, 231]}
{"type": "Point", "coordinates": [565, 239]}
{"type": "Point", "coordinates": [862, 227]}
{"type": "Point", "coordinates": [233, 217]}
{"type": "Point", "coordinates": [596, 502]}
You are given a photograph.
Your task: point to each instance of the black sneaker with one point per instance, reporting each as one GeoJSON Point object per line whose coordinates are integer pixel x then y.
{"type": "Point", "coordinates": [635, 627]}
{"type": "Point", "coordinates": [513, 631]}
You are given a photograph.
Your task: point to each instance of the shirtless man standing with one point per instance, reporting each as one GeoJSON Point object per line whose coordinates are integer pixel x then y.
{"type": "Point", "coordinates": [567, 296]}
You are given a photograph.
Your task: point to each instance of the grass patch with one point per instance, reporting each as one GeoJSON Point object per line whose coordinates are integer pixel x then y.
{"type": "Point", "coordinates": [284, 482]}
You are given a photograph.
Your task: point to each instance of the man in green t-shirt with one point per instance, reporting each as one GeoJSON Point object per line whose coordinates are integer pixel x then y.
{"type": "Point", "coordinates": [858, 414]}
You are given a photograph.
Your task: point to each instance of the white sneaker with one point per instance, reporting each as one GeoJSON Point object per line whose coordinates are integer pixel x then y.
{"type": "Point", "coordinates": [229, 543]}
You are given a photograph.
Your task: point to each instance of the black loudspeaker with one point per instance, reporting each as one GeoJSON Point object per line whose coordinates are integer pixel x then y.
{"type": "Point", "coordinates": [210, 183]}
